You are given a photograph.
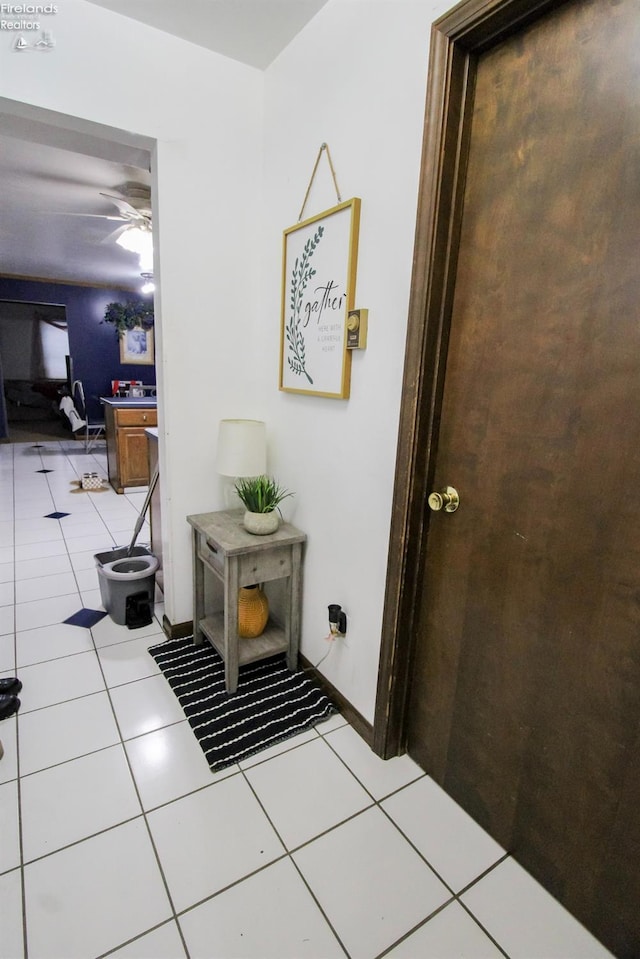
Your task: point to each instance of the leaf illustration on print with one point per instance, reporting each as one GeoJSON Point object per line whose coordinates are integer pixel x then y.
{"type": "Point", "coordinates": [300, 276]}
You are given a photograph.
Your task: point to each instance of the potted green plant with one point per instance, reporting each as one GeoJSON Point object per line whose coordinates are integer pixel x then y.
{"type": "Point", "coordinates": [261, 497]}
{"type": "Point", "coordinates": [128, 316]}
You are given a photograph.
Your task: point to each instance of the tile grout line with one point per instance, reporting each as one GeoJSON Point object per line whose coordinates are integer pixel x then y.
{"type": "Point", "coordinates": [285, 855]}
{"type": "Point", "coordinates": [96, 513]}
{"type": "Point", "coordinates": [128, 942]}
{"type": "Point", "coordinates": [123, 748]}
{"type": "Point", "coordinates": [143, 813]}
{"type": "Point", "coordinates": [289, 856]}
{"type": "Point", "coordinates": [455, 897]}
{"type": "Point", "coordinates": [378, 803]}
{"type": "Point", "coordinates": [414, 929]}
{"type": "Point", "coordinates": [466, 908]}
{"type": "Point", "coordinates": [25, 928]}
{"type": "Point", "coordinates": [23, 885]}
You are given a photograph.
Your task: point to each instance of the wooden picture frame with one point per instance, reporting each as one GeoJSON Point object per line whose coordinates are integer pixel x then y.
{"type": "Point", "coordinates": [319, 264]}
{"type": "Point", "coordinates": [137, 347]}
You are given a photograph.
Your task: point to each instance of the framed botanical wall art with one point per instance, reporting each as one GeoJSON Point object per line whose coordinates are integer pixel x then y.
{"type": "Point", "coordinates": [136, 346]}
{"type": "Point", "coordinates": [318, 289]}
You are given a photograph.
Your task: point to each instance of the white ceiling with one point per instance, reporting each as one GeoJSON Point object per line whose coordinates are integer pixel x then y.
{"type": "Point", "coordinates": [252, 31]}
{"type": "Point", "coordinates": [48, 175]}
{"type": "Point", "coordinates": [44, 230]}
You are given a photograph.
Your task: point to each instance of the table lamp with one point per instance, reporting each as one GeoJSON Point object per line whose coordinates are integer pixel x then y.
{"type": "Point", "coordinates": [242, 448]}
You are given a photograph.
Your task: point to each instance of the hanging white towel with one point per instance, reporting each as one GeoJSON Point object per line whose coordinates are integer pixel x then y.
{"type": "Point", "coordinates": [68, 408]}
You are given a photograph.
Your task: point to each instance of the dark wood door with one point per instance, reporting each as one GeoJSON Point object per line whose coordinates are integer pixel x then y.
{"type": "Point", "coordinates": [525, 697]}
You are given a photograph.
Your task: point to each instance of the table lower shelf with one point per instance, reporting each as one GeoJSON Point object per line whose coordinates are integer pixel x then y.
{"type": "Point", "coordinates": [272, 641]}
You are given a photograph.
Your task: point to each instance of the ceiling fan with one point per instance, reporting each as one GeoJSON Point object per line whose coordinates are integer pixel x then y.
{"type": "Point", "coordinates": [134, 233]}
{"type": "Point", "coordinates": [133, 206]}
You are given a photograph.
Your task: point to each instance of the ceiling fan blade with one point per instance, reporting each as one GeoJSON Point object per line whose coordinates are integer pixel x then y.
{"type": "Point", "coordinates": [125, 208]}
{"type": "Point", "coordinates": [97, 216]}
{"type": "Point", "coordinates": [113, 236]}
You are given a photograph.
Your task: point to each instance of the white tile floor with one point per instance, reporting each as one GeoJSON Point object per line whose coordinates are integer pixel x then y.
{"type": "Point", "coordinates": [116, 839]}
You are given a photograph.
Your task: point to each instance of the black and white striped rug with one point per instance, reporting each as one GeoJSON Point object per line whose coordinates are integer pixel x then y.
{"type": "Point", "coordinates": [270, 705]}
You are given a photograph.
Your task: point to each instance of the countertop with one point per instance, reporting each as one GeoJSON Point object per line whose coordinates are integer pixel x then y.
{"type": "Point", "coordinates": [122, 402]}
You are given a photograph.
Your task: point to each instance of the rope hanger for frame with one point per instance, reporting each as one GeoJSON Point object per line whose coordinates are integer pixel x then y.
{"type": "Point", "coordinates": [324, 148]}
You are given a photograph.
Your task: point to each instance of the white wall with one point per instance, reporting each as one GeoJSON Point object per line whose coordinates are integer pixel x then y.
{"type": "Point", "coordinates": [205, 113]}
{"type": "Point", "coordinates": [355, 78]}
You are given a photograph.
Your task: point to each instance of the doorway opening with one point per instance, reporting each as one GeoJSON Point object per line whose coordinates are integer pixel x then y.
{"type": "Point", "coordinates": [34, 371]}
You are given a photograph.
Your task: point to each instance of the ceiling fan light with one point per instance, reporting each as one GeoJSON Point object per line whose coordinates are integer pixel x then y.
{"type": "Point", "coordinates": [149, 285]}
{"type": "Point", "coordinates": [135, 240]}
{"type": "Point", "coordinates": [146, 257]}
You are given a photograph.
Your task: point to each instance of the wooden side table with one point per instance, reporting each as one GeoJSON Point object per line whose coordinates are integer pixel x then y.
{"type": "Point", "coordinates": [225, 555]}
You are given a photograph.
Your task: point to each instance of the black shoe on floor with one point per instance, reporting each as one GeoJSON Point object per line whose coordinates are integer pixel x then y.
{"type": "Point", "coordinates": [10, 686]}
{"type": "Point", "coordinates": [8, 706]}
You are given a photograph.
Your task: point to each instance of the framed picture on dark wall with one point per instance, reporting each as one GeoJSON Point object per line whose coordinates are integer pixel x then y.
{"type": "Point", "coordinates": [136, 346]}
{"type": "Point", "coordinates": [318, 290]}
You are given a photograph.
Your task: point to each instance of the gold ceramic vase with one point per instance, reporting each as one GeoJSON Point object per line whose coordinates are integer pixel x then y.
{"type": "Point", "coordinates": [253, 611]}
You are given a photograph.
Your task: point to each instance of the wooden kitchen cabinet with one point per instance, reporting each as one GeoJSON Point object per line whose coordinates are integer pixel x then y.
{"type": "Point", "coordinates": [127, 442]}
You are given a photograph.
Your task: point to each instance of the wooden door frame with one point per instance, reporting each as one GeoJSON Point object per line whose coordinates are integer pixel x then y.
{"type": "Point", "coordinates": [457, 39]}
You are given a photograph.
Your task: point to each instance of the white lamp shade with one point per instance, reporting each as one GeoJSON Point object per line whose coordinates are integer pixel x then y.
{"type": "Point", "coordinates": [242, 448]}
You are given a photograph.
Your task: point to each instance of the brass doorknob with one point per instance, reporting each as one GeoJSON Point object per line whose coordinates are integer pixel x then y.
{"type": "Point", "coordinates": [447, 499]}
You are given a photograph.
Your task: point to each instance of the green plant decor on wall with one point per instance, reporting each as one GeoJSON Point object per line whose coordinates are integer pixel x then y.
{"type": "Point", "coordinates": [128, 316]}
{"type": "Point", "coordinates": [300, 276]}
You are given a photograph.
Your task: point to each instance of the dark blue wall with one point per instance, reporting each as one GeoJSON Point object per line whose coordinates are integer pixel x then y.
{"type": "Point", "coordinates": [93, 344]}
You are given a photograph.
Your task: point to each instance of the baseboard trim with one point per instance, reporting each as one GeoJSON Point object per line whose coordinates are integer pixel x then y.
{"type": "Point", "coordinates": [348, 710]}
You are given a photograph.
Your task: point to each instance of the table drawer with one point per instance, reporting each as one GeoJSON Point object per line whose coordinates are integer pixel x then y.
{"type": "Point", "coordinates": [264, 566]}
{"type": "Point", "coordinates": [210, 555]}
{"type": "Point", "coordinates": [147, 417]}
